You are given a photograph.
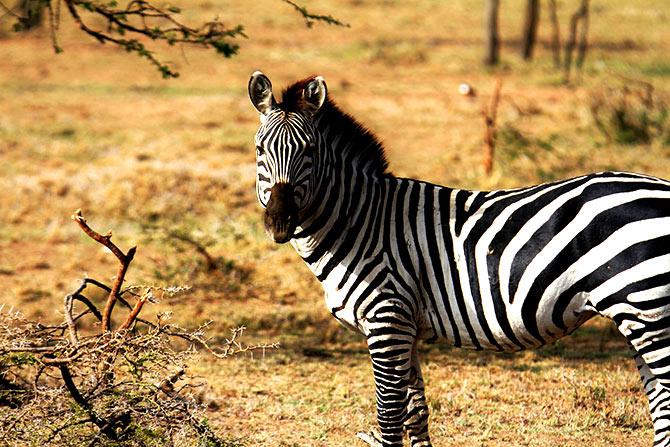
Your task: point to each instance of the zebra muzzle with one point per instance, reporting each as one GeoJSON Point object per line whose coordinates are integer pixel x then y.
{"type": "Point", "coordinates": [281, 213]}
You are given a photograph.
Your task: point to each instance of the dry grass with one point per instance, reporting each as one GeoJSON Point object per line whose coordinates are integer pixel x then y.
{"type": "Point", "coordinates": [96, 129]}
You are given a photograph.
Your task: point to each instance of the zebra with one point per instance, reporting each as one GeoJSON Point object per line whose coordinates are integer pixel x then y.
{"type": "Point", "coordinates": [403, 260]}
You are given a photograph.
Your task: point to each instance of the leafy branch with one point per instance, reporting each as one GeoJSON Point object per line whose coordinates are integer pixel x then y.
{"type": "Point", "coordinates": [125, 25]}
{"type": "Point", "coordinates": [310, 18]}
{"type": "Point", "coordinates": [132, 26]}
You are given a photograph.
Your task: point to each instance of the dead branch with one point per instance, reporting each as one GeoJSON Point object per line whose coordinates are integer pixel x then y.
{"type": "Point", "coordinates": [489, 113]}
{"type": "Point", "coordinates": [230, 347]}
{"type": "Point", "coordinates": [70, 320]}
{"type": "Point", "coordinates": [85, 404]}
{"type": "Point", "coordinates": [124, 261]}
{"type": "Point", "coordinates": [210, 262]}
{"type": "Point", "coordinates": [136, 310]}
{"type": "Point", "coordinates": [167, 385]}
{"type": "Point", "coordinates": [104, 240]}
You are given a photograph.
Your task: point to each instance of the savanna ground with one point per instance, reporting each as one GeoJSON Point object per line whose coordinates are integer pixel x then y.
{"type": "Point", "coordinates": [97, 129]}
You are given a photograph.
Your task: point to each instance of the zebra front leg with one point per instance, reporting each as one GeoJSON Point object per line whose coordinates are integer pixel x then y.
{"type": "Point", "coordinates": [416, 422]}
{"type": "Point", "coordinates": [372, 438]}
{"type": "Point", "coordinates": [391, 338]}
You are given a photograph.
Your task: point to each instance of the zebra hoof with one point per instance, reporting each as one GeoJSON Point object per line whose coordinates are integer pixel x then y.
{"type": "Point", "coordinates": [371, 438]}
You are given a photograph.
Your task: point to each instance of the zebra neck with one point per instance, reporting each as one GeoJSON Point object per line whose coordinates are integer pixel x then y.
{"type": "Point", "coordinates": [351, 174]}
{"type": "Point", "coordinates": [343, 212]}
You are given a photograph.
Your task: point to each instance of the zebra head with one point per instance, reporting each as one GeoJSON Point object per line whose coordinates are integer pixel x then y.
{"type": "Point", "coordinates": [286, 143]}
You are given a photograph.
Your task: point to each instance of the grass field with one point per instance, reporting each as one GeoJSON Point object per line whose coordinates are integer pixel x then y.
{"type": "Point", "coordinates": [97, 129]}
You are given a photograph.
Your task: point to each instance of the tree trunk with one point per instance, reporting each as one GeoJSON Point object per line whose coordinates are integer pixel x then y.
{"type": "Point", "coordinates": [555, 34]}
{"type": "Point", "coordinates": [580, 16]}
{"type": "Point", "coordinates": [530, 29]}
{"type": "Point", "coordinates": [583, 34]}
{"type": "Point", "coordinates": [491, 30]}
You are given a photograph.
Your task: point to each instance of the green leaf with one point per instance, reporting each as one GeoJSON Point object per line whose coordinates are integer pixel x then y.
{"type": "Point", "coordinates": [225, 48]}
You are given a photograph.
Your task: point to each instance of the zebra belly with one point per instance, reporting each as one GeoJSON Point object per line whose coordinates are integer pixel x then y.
{"type": "Point", "coordinates": [510, 332]}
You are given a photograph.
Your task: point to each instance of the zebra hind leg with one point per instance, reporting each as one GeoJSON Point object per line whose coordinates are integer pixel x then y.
{"type": "Point", "coordinates": [658, 394]}
{"type": "Point", "coordinates": [647, 330]}
{"type": "Point", "coordinates": [641, 312]}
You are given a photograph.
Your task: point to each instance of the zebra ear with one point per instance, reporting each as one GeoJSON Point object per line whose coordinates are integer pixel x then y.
{"type": "Point", "coordinates": [260, 92]}
{"type": "Point", "coordinates": [314, 94]}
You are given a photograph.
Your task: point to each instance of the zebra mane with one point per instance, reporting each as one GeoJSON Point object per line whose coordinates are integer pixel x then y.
{"type": "Point", "coordinates": [357, 144]}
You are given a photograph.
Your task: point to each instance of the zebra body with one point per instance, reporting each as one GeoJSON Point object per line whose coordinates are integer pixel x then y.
{"type": "Point", "coordinates": [402, 260]}
{"type": "Point", "coordinates": [474, 284]}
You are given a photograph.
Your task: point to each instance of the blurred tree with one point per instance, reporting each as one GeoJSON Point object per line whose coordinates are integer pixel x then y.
{"type": "Point", "coordinates": [491, 10]}
{"type": "Point", "coordinates": [31, 10]}
{"type": "Point", "coordinates": [138, 22]}
{"type": "Point", "coordinates": [577, 34]}
{"type": "Point", "coordinates": [530, 28]}
{"type": "Point", "coordinates": [555, 34]}
{"type": "Point", "coordinates": [579, 23]}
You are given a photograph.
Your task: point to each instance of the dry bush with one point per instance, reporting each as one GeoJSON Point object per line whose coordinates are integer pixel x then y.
{"type": "Point", "coordinates": [77, 383]}
{"type": "Point", "coordinates": [631, 113]}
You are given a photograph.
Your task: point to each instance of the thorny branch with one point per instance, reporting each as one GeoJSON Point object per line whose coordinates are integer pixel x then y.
{"type": "Point", "coordinates": [88, 385]}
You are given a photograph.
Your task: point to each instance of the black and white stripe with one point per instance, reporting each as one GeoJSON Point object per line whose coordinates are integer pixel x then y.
{"type": "Point", "coordinates": [402, 260]}
{"type": "Point", "coordinates": [284, 152]}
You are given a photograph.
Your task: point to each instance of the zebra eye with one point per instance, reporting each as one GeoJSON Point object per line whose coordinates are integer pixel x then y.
{"type": "Point", "coordinates": [259, 151]}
